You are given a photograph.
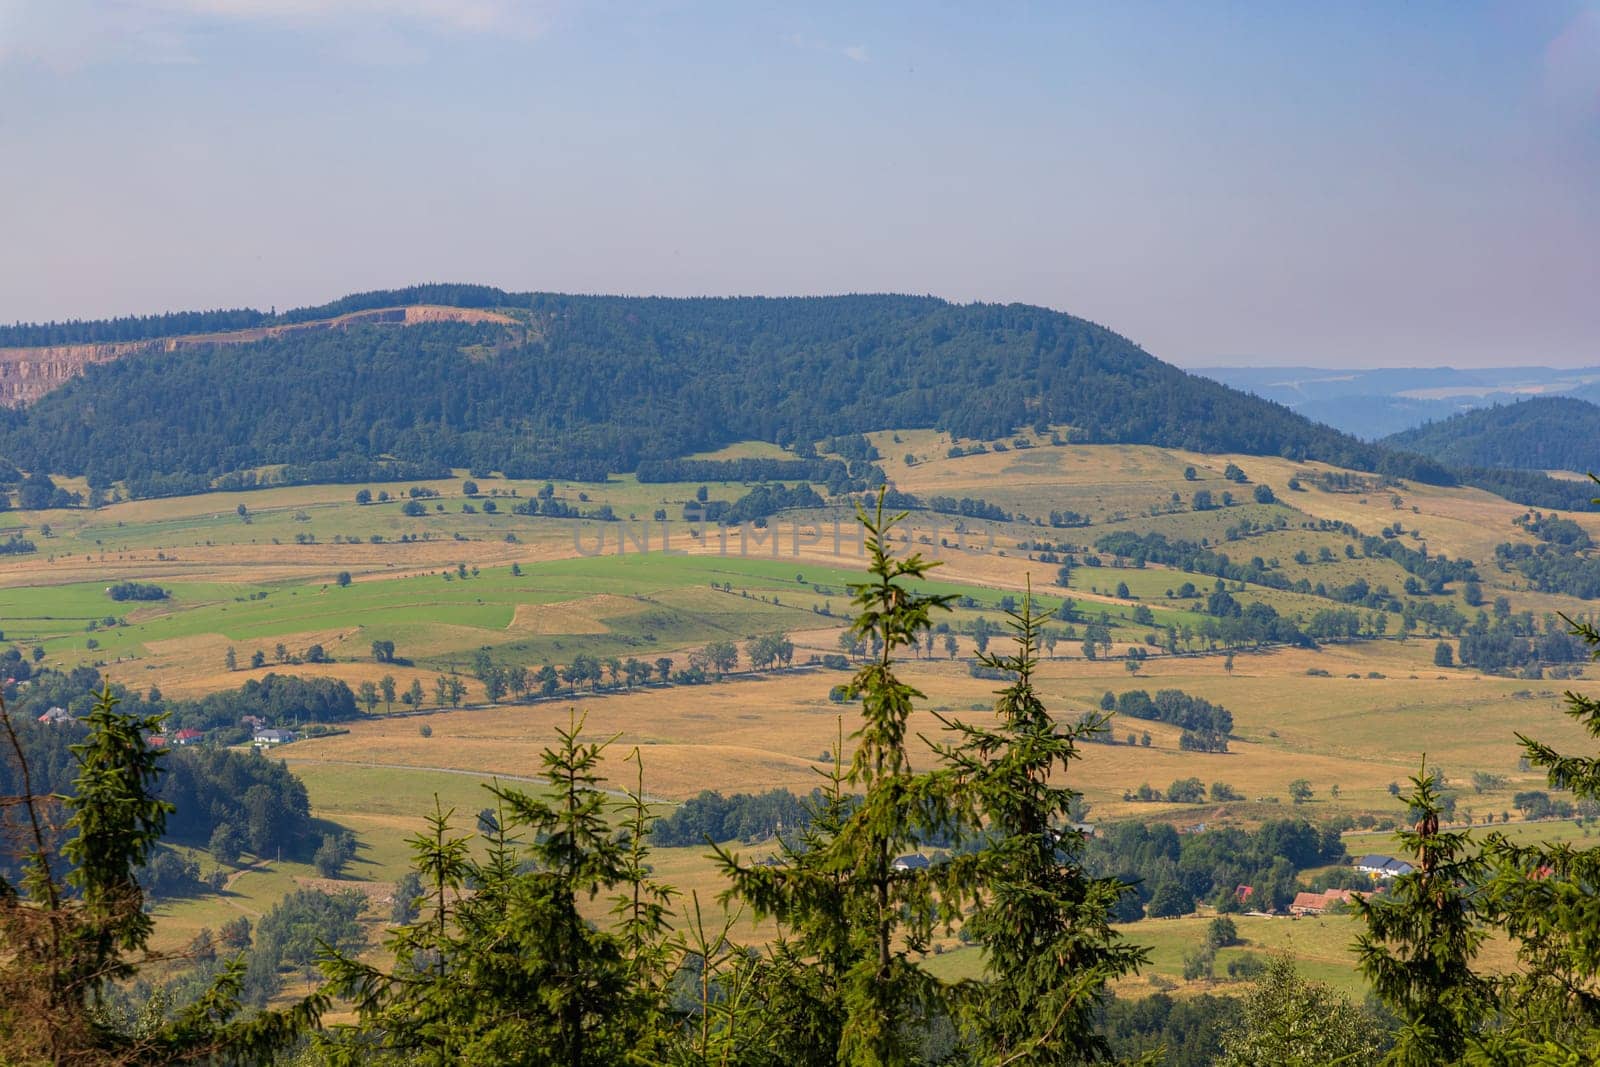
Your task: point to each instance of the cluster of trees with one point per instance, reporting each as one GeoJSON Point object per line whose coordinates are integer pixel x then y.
{"type": "Point", "coordinates": [17, 545]}
{"type": "Point", "coordinates": [969, 508]}
{"type": "Point", "coordinates": [1517, 643]}
{"type": "Point", "coordinates": [231, 802]}
{"type": "Point", "coordinates": [1188, 556]}
{"type": "Point", "coordinates": [1205, 726]}
{"type": "Point", "coordinates": [225, 801]}
{"type": "Point", "coordinates": [1172, 871]}
{"type": "Point", "coordinates": [129, 328]}
{"type": "Point", "coordinates": [136, 591]}
{"type": "Point", "coordinates": [279, 699]}
{"type": "Point", "coordinates": [839, 476]}
{"type": "Point", "coordinates": [1433, 572]}
{"type": "Point", "coordinates": [711, 817]}
{"type": "Point", "coordinates": [759, 503]}
{"type": "Point", "coordinates": [1554, 567]}
{"type": "Point", "coordinates": [1536, 434]}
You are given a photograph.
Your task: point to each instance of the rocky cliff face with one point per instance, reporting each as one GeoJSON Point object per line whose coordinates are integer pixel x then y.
{"type": "Point", "coordinates": [26, 374]}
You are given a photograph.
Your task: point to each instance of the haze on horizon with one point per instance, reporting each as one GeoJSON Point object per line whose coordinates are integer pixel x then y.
{"type": "Point", "coordinates": [1333, 185]}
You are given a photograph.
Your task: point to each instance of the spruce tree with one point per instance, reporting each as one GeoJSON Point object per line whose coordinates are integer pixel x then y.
{"type": "Point", "coordinates": [1044, 926]}
{"type": "Point", "coordinates": [511, 972]}
{"type": "Point", "coordinates": [1546, 896]}
{"type": "Point", "coordinates": [75, 922]}
{"type": "Point", "coordinates": [847, 899]}
{"type": "Point", "coordinates": [1422, 936]}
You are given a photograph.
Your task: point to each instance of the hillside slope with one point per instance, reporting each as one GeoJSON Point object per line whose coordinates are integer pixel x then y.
{"type": "Point", "coordinates": [584, 385]}
{"type": "Point", "coordinates": [1546, 433]}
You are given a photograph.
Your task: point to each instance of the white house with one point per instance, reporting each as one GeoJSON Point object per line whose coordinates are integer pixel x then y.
{"type": "Point", "coordinates": [274, 737]}
{"type": "Point", "coordinates": [1383, 866]}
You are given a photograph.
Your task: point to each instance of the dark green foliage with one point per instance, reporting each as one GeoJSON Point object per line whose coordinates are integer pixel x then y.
{"type": "Point", "coordinates": [829, 472]}
{"type": "Point", "coordinates": [968, 508]}
{"type": "Point", "coordinates": [1422, 936]}
{"type": "Point", "coordinates": [1544, 896]}
{"type": "Point", "coordinates": [336, 850]}
{"type": "Point", "coordinates": [296, 932]}
{"type": "Point", "coordinates": [1517, 643]}
{"type": "Point", "coordinates": [620, 380]}
{"type": "Point", "coordinates": [1177, 708]}
{"type": "Point", "coordinates": [1212, 865]}
{"type": "Point", "coordinates": [71, 936]}
{"type": "Point", "coordinates": [131, 328]}
{"type": "Point", "coordinates": [838, 895]}
{"type": "Point", "coordinates": [1287, 1021]}
{"type": "Point", "coordinates": [280, 699]}
{"type": "Point", "coordinates": [1188, 1031]}
{"type": "Point", "coordinates": [1043, 924]}
{"type": "Point", "coordinates": [210, 788]}
{"type": "Point", "coordinates": [136, 591]}
{"type": "Point", "coordinates": [1563, 561]}
{"type": "Point", "coordinates": [712, 817]}
{"type": "Point", "coordinates": [1537, 434]}
{"type": "Point", "coordinates": [511, 973]}
{"type": "Point", "coordinates": [761, 502]}
{"type": "Point", "coordinates": [258, 799]}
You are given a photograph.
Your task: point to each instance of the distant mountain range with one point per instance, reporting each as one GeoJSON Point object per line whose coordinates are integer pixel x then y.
{"type": "Point", "coordinates": [1373, 404]}
{"type": "Point", "coordinates": [544, 385]}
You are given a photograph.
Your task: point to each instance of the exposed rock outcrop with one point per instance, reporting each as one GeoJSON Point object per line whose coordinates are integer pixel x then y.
{"type": "Point", "coordinates": [26, 374]}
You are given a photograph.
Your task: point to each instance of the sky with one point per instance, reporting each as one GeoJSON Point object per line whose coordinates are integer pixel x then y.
{"type": "Point", "coordinates": [1349, 184]}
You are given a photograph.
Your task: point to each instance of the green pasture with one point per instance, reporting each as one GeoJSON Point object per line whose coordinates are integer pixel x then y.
{"type": "Point", "coordinates": [664, 601]}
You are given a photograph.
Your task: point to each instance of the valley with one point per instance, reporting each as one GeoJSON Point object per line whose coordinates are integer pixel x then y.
{"type": "Point", "coordinates": [466, 581]}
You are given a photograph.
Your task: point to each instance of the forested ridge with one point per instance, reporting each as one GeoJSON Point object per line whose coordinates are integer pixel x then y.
{"type": "Point", "coordinates": [597, 384]}
{"type": "Point", "coordinates": [585, 386]}
{"type": "Point", "coordinates": [1542, 433]}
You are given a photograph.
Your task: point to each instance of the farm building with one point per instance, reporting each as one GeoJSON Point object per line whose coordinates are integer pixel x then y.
{"type": "Point", "coordinates": [274, 737]}
{"type": "Point", "coordinates": [1383, 866]}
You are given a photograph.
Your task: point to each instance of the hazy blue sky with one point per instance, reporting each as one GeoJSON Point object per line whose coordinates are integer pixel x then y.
{"type": "Point", "coordinates": [1413, 183]}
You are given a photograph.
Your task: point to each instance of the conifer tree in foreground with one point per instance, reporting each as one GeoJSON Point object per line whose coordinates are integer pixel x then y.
{"type": "Point", "coordinates": [68, 937]}
{"type": "Point", "coordinates": [512, 972]}
{"type": "Point", "coordinates": [1546, 896]}
{"type": "Point", "coordinates": [1422, 936]}
{"type": "Point", "coordinates": [1042, 924]}
{"type": "Point", "coordinates": [843, 903]}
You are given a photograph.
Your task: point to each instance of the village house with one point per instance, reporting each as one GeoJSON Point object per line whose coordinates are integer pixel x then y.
{"type": "Point", "coordinates": [273, 737]}
{"type": "Point", "coordinates": [56, 716]}
{"type": "Point", "coordinates": [1383, 867]}
{"type": "Point", "coordinates": [1321, 903]}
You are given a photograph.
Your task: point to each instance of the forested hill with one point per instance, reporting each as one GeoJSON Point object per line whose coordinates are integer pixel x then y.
{"type": "Point", "coordinates": [584, 385]}
{"type": "Point", "coordinates": [1545, 433]}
